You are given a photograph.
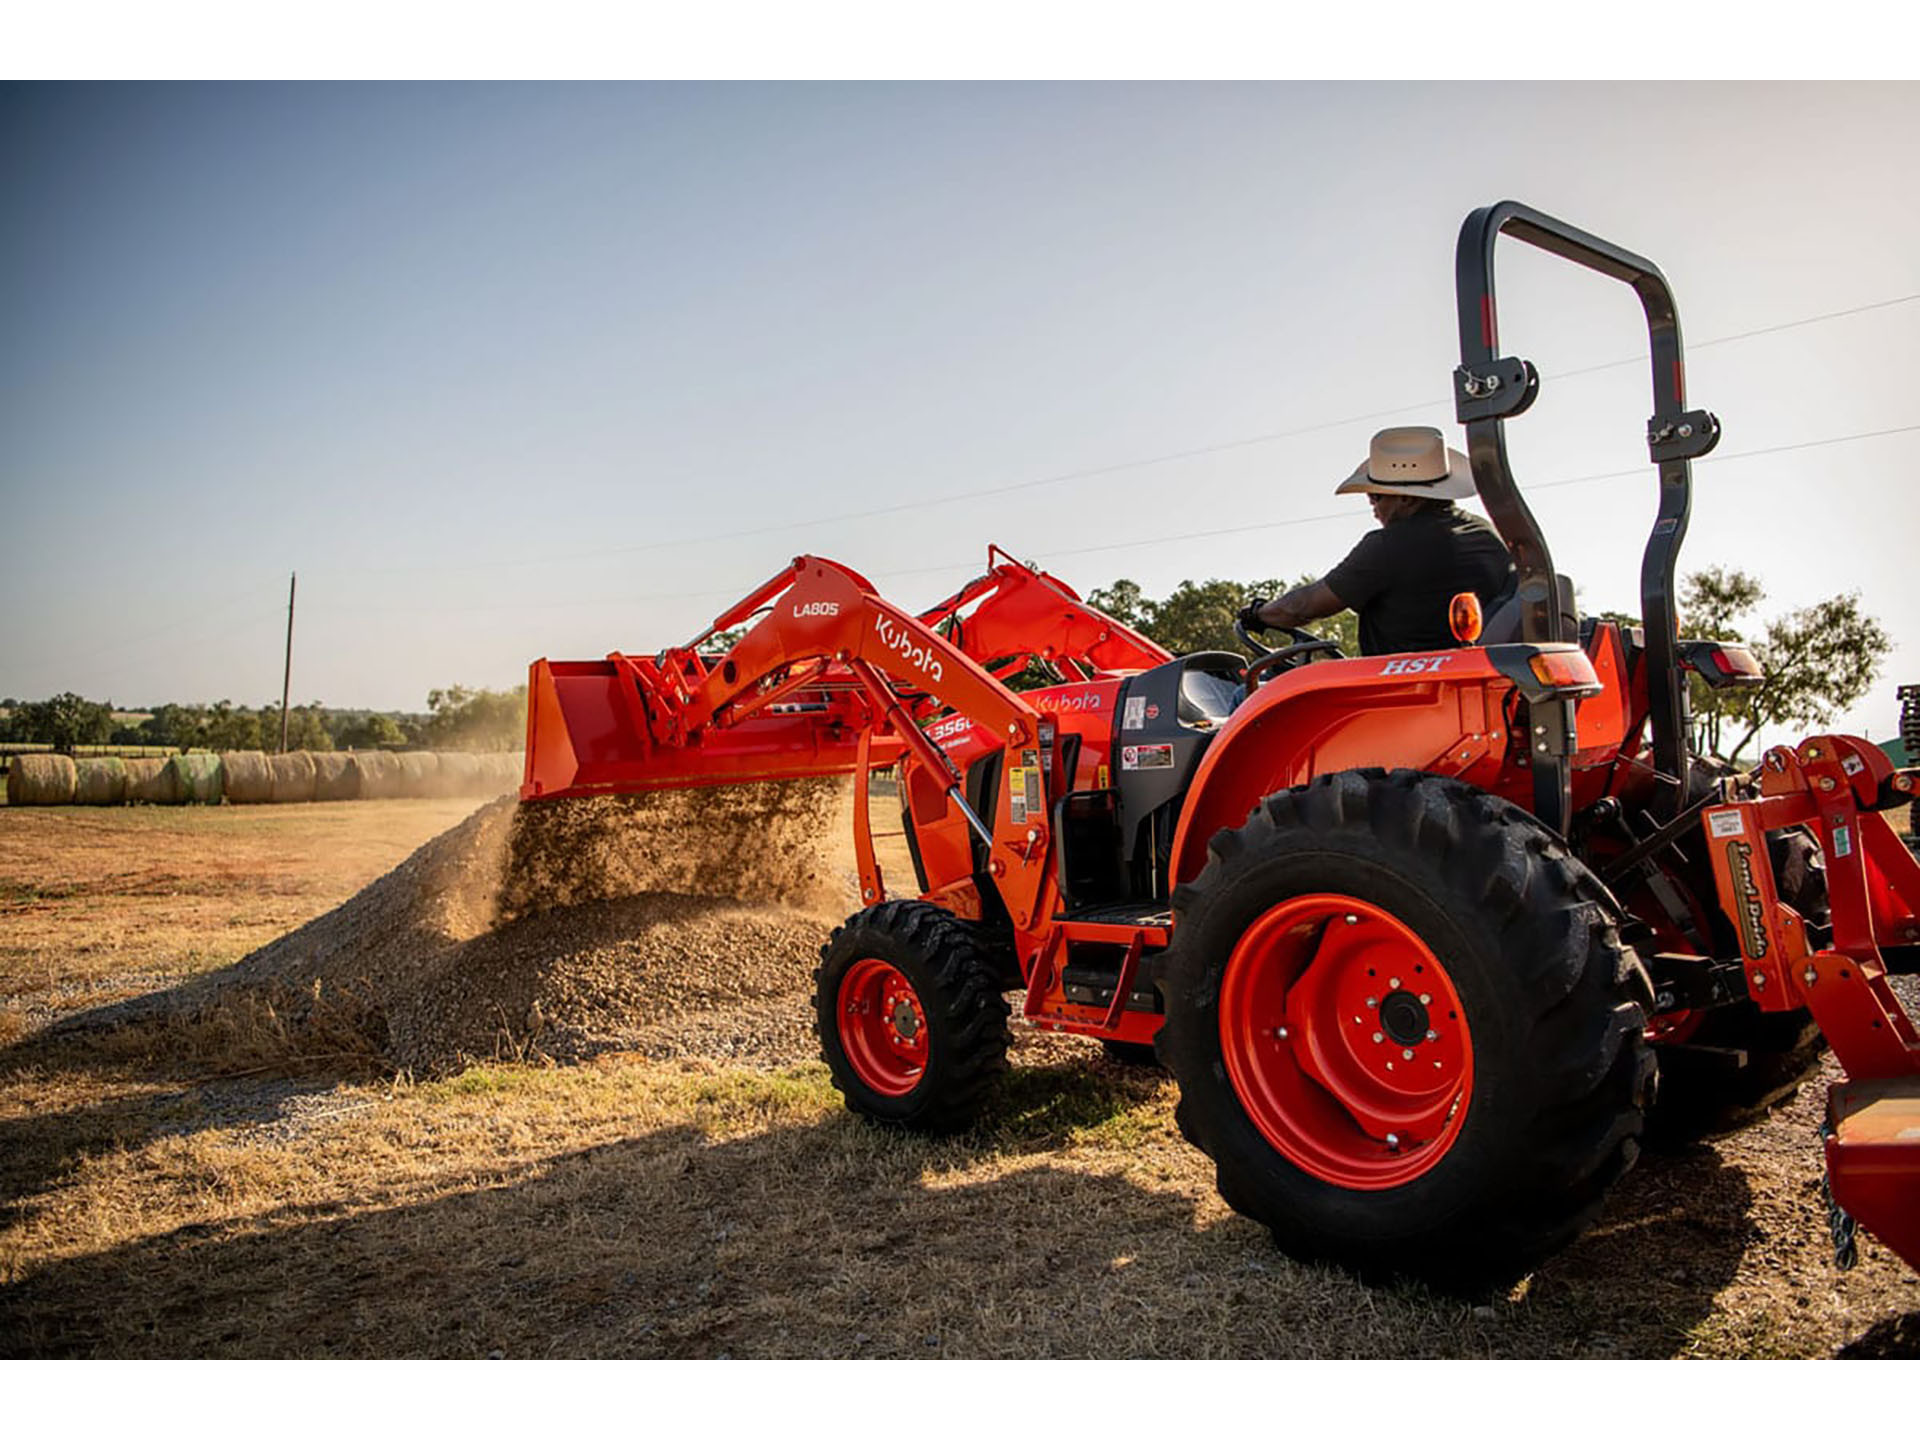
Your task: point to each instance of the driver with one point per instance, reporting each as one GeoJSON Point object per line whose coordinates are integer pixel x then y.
{"type": "Point", "coordinates": [1402, 577]}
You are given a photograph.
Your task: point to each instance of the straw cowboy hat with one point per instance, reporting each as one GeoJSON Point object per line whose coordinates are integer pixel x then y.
{"type": "Point", "coordinates": [1411, 460]}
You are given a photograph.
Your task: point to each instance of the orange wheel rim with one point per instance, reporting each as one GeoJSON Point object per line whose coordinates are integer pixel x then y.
{"type": "Point", "coordinates": [1346, 1041]}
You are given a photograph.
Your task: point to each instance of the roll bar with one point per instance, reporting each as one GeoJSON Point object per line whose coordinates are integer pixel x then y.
{"type": "Point", "coordinates": [1490, 389]}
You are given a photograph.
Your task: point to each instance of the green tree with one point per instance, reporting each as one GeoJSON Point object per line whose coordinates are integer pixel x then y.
{"type": "Point", "coordinates": [1124, 602]}
{"type": "Point", "coordinates": [1200, 616]}
{"type": "Point", "coordinates": [306, 727]}
{"type": "Point", "coordinates": [1818, 659]}
{"type": "Point", "coordinates": [463, 719]}
{"type": "Point", "coordinates": [226, 726]}
{"type": "Point", "coordinates": [64, 721]}
{"type": "Point", "coordinates": [372, 731]}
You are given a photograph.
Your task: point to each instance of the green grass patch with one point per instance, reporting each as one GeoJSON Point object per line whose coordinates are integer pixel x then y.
{"type": "Point", "coordinates": [1057, 1105]}
{"type": "Point", "coordinates": [728, 1100]}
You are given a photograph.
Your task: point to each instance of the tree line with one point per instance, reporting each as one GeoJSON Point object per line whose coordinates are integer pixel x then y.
{"type": "Point", "coordinates": [456, 718]}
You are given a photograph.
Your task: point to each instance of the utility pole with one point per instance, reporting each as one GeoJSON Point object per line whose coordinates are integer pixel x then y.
{"type": "Point", "coordinates": [286, 676]}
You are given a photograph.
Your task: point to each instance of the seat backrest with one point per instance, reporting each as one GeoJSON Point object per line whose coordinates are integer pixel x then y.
{"type": "Point", "coordinates": [1502, 627]}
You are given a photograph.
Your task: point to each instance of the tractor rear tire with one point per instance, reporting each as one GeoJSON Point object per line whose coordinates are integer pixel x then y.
{"type": "Point", "coordinates": [1702, 1094]}
{"type": "Point", "coordinates": [1367, 908]}
{"type": "Point", "coordinates": [910, 1017]}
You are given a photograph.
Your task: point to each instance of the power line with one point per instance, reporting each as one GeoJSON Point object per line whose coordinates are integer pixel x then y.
{"type": "Point", "coordinates": [1529, 489]}
{"type": "Point", "coordinates": [733, 591]}
{"type": "Point", "coordinates": [1094, 472]}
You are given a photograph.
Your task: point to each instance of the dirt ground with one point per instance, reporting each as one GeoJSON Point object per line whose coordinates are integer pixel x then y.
{"type": "Point", "coordinates": [239, 1186]}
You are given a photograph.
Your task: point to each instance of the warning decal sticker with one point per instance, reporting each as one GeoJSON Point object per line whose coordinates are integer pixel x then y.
{"type": "Point", "coordinates": [1135, 715]}
{"type": "Point", "coordinates": [1724, 823]}
{"type": "Point", "coordinates": [1146, 757]}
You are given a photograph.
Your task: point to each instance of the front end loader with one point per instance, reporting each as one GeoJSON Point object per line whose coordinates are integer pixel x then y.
{"type": "Point", "coordinates": [1415, 934]}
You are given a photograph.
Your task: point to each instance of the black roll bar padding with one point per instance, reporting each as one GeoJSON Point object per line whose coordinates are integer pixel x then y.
{"type": "Point", "coordinates": [1675, 436]}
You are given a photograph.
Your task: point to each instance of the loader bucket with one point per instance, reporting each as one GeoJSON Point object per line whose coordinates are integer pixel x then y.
{"type": "Point", "coordinates": [1873, 1159]}
{"type": "Point", "coordinates": [590, 731]}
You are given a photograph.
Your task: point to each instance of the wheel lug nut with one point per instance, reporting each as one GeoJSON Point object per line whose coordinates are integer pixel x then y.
{"type": "Point", "coordinates": [1281, 1033]}
{"type": "Point", "coordinates": [1353, 919]}
{"type": "Point", "coordinates": [1371, 1002]}
{"type": "Point", "coordinates": [1378, 1037]}
{"type": "Point", "coordinates": [1426, 999]}
{"type": "Point", "coordinates": [1394, 984]}
{"type": "Point", "coordinates": [1433, 1034]}
{"type": "Point", "coordinates": [1406, 1054]}
{"type": "Point", "coordinates": [1393, 1142]}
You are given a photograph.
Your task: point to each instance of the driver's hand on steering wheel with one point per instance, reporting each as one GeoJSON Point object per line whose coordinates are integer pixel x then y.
{"type": "Point", "coordinates": [1250, 613]}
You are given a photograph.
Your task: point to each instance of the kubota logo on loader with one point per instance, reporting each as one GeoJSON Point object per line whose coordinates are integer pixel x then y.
{"type": "Point", "coordinates": [895, 638]}
{"type": "Point", "coordinates": [816, 607]}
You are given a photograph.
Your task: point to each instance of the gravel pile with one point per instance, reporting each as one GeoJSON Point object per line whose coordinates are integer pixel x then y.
{"type": "Point", "coordinates": [681, 923]}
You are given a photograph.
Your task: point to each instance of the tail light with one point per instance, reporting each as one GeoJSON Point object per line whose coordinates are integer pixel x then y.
{"type": "Point", "coordinates": [1565, 672]}
{"type": "Point", "coordinates": [1723, 664]}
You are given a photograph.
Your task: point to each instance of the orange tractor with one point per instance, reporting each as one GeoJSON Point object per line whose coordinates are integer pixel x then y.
{"type": "Point", "coordinates": [1428, 941]}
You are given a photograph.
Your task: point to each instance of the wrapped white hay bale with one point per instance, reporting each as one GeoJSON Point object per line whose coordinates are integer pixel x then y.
{"type": "Point", "coordinates": [246, 778]}
{"type": "Point", "coordinates": [195, 779]}
{"type": "Point", "coordinates": [100, 780]}
{"type": "Point", "coordinates": [333, 777]}
{"type": "Point", "coordinates": [377, 772]}
{"type": "Point", "coordinates": [292, 777]}
{"type": "Point", "coordinates": [40, 780]}
{"type": "Point", "coordinates": [456, 774]}
{"type": "Point", "coordinates": [150, 782]}
{"type": "Point", "coordinates": [419, 772]}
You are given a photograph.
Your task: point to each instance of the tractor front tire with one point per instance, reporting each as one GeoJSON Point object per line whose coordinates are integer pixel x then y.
{"type": "Point", "coordinates": [1405, 1029]}
{"type": "Point", "coordinates": [910, 1017]}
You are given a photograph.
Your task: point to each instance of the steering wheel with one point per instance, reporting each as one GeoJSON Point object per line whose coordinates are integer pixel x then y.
{"type": "Point", "coordinates": [1305, 645]}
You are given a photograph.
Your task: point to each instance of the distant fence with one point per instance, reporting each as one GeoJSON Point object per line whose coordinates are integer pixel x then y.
{"type": "Point", "coordinates": [38, 776]}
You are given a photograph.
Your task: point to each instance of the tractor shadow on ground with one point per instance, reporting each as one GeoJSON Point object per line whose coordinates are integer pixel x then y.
{"type": "Point", "coordinates": [832, 1239]}
{"type": "Point", "coordinates": [38, 1150]}
{"type": "Point", "coordinates": [1895, 1339]}
{"type": "Point", "coordinates": [1672, 1236]}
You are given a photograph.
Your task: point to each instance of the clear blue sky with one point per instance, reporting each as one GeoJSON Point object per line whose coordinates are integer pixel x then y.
{"type": "Point", "coordinates": [511, 371]}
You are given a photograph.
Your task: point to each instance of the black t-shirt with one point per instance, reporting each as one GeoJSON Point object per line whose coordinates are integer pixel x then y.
{"type": "Point", "coordinates": [1402, 577]}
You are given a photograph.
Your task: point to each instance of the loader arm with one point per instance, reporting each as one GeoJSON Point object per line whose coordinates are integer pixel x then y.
{"type": "Point", "coordinates": [1017, 612]}
{"type": "Point", "coordinates": [830, 679]}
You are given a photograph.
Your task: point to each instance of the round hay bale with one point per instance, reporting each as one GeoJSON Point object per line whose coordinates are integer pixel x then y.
{"type": "Point", "coordinates": [378, 772]}
{"type": "Point", "coordinates": [40, 780]}
{"type": "Point", "coordinates": [505, 772]}
{"type": "Point", "coordinates": [457, 774]}
{"type": "Point", "coordinates": [100, 780]}
{"type": "Point", "coordinates": [245, 777]}
{"type": "Point", "coordinates": [293, 777]}
{"type": "Point", "coordinates": [333, 777]}
{"type": "Point", "coordinates": [195, 778]}
{"type": "Point", "coordinates": [419, 773]}
{"type": "Point", "coordinates": [151, 782]}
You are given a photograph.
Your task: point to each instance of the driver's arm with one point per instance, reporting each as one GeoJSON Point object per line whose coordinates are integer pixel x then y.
{"type": "Point", "coordinates": [1299, 605]}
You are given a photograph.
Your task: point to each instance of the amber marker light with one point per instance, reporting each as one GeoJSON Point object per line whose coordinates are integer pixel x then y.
{"type": "Point", "coordinates": [1464, 617]}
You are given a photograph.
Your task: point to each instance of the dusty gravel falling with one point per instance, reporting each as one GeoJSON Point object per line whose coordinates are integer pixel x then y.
{"type": "Point", "coordinates": [680, 923]}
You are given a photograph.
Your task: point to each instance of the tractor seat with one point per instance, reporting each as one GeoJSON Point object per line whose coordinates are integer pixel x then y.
{"type": "Point", "coordinates": [1502, 627]}
{"type": "Point", "coordinates": [1210, 686]}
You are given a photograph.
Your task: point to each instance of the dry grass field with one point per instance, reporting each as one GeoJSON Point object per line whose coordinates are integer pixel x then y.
{"type": "Point", "coordinates": [239, 1184]}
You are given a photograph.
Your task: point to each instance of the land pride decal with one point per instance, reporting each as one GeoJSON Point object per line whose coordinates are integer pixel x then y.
{"type": "Point", "coordinates": [1753, 930]}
